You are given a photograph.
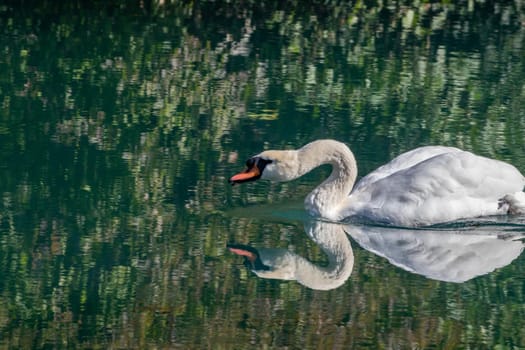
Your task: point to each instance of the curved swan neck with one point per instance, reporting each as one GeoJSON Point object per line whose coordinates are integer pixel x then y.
{"type": "Point", "coordinates": [327, 198]}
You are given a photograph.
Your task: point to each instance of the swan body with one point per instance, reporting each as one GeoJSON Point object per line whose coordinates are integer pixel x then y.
{"type": "Point", "coordinates": [425, 186]}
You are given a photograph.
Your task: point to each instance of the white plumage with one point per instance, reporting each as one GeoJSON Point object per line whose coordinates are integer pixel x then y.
{"type": "Point", "coordinates": [425, 186]}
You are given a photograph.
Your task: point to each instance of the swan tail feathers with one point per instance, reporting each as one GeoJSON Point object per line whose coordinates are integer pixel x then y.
{"type": "Point", "coordinates": [513, 203]}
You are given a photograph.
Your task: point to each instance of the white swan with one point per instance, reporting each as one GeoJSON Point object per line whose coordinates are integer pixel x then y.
{"type": "Point", "coordinates": [425, 186]}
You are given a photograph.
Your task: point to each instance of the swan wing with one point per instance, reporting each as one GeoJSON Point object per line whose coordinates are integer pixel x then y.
{"type": "Point", "coordinates": [445, 187]}
{"type": "Point", "coordinates": [403, 161]}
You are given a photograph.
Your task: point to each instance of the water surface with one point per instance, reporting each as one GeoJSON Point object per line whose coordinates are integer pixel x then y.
{"type": "Point", "coordinates": [120, 125]}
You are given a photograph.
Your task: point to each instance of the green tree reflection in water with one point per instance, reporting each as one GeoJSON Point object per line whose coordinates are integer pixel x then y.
{"type": "Point", "coordinates": [120, 124]}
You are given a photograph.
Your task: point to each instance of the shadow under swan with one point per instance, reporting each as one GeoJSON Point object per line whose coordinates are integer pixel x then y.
{"type": "Point", "coordinates": [279, 263]}
{"type": "Point", "coordinates": [444, 255]}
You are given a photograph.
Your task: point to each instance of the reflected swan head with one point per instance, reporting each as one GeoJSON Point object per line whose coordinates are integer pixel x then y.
{"type": "Point", "coordinates": [252, 258]}
{"type": "Point", "coordinates": [282, 264]}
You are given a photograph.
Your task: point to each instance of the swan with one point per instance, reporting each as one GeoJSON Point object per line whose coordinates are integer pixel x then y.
{"type": "Point", "coordinates": [425, 186]}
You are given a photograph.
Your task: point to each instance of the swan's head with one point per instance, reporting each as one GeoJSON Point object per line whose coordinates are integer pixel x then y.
{"type": "Point", "coordinates": [269, 165]}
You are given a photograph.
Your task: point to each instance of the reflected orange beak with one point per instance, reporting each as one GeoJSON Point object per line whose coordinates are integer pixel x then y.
{"type": "Point", "coordinates": [251, 256]}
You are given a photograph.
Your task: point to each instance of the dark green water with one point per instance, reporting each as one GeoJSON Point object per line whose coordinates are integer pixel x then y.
{"type": "Point", "coordinates": [120, 124]}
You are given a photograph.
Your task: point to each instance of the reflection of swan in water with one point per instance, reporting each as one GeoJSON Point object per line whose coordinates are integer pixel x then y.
{"type": "Point", "coordinates": [451, 256]}
{"type": "Point", "coordinates": [282, 264]}
{"type": "Point", "coordinates": [431, 184]}
{"type": "Point", "coordinates": [439, 254]}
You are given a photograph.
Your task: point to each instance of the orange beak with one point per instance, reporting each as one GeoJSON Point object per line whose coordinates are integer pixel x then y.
{"type": "Point", "coordinates": [254, 168]}
{"type": "Point", "coordinates": [250, 174]}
